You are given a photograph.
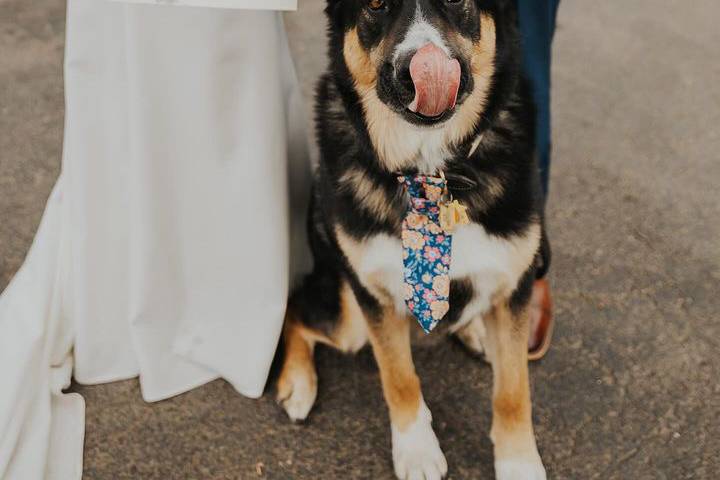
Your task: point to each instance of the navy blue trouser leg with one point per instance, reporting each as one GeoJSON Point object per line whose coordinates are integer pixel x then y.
{"type": "Point", "coordinates": [537, 27]}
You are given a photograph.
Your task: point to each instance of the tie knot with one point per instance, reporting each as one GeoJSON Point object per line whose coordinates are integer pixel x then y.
{"type": "Point", "coordinates": [425, 191]}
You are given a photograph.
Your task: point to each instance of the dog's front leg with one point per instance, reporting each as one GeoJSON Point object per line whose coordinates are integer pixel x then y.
{"type": "Point", "coordinates": [516, 454]}
{"type": "Point", "coordinates": [416, 451]}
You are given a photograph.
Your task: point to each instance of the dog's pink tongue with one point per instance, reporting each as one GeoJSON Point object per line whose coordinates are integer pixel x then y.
{"type": "Point", "coordinates": [437, 80]}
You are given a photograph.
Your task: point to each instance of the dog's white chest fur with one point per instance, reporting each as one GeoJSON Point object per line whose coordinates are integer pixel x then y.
{"type": "Point", "coordinates": [493, 264]}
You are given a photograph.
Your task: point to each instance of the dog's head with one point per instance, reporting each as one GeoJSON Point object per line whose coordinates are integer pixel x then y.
{"type": "Point", "coordinates": [418, 65]}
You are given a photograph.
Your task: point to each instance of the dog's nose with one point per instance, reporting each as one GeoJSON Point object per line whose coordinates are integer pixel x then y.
{"type": "Point", "coordinates": [434, 78]}
{"type": "Point", "coordinates": [402, 73]}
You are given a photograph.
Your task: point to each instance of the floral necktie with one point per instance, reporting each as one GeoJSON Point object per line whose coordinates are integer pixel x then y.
{"type": "Point", "coordinates": [427, 251]}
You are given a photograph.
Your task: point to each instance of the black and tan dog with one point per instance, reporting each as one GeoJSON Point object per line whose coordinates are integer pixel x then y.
{"type": "Point", "coordinates": [465, 112]}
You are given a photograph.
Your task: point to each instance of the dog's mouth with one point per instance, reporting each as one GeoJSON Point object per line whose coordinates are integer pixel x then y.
{"type": "Point", "coordinates": [436, 80]}
{"type": "Point", "coordinates": [427, 89]}
{"type": "Point", "coordinates": [429, 120]}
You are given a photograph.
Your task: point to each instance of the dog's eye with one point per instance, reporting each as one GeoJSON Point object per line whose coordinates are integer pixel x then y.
{"type": "Point", "coordinates": [377, 5]}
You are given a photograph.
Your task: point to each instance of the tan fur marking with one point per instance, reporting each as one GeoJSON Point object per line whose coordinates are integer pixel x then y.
{"type": "Point", "coordinates": [295, 330]}
{"type": "Point", "coordinates": [475, 145]}
{"type": "Point", "coordinates": [391, 345]}
{"type": "Point", "coordinates": [483, 69]}
{"type": "Point", "coordinates": [299, 347]}
{"type": "Point", "coordinates": [511, 409]}
{"type": "Point", "coordinates": [351, 333]}
{"type": "Point", "coordinates": [376, 285]}
{"type": "Point", "coordinates": [493, 190]}
{"type": "Point", "coordinates": [359, 61]}
{"type": "Point", "coordinates": [373, 199]}
{"type": "Point", "coordinates": [507, 336]}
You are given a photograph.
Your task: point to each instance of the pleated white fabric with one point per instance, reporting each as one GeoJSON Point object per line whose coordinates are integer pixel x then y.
{"type": "Point", "coordinates": [171, 238]}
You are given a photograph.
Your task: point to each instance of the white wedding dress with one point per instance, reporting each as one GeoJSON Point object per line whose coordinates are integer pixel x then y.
{"type": "Point", "coordinates": [176, 226]}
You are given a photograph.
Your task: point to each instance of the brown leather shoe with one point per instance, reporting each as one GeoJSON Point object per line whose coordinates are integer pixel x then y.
{"type": "Point", "coordinates": [541, 320]}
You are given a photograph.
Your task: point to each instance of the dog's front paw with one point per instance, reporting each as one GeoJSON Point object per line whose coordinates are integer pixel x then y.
{"type": "Point", "coordinates": [416, 450]}
{"type": "Point", "coordinates": [520, 469]}
{"type": "Point", "coordinates": [297, 390]}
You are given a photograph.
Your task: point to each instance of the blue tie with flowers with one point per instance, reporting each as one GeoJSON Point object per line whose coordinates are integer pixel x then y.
{"type": "Point", "coordinates": [427, 251]}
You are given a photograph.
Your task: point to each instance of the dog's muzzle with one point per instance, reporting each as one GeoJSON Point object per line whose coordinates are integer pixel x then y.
{"type": "Point", "coordinates": [435, 79]}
